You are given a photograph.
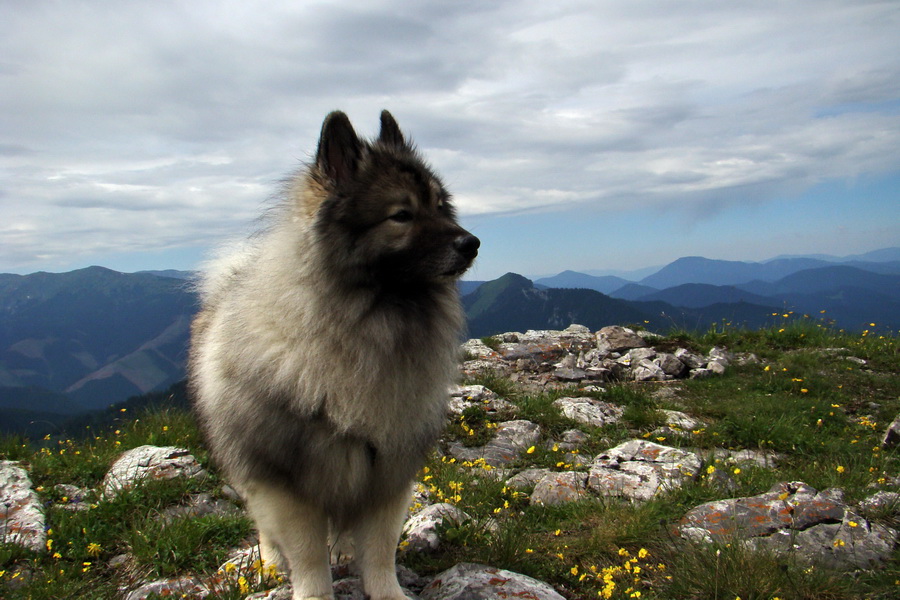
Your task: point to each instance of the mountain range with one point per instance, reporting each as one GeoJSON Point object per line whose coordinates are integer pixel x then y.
{"type": "Point", "coordinates": [76, 342]}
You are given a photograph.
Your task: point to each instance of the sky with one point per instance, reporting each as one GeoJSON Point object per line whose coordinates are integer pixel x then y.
{"type": "Point", "coordinates": [596, 135]}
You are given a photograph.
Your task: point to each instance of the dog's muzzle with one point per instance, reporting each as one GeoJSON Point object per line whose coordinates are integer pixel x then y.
{"type": "Point", "coordinates": [467, 245]}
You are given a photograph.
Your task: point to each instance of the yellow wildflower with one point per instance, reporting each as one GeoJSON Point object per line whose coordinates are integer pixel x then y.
{"type": "Point", "coordinates": [243, 585]}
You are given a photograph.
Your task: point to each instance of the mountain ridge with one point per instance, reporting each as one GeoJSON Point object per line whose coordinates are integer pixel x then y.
{"type": "Point", "coordinates": [82, 340]}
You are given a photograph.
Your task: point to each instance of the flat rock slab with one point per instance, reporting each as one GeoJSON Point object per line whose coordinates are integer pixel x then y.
{"type": "Point", "coordinates": [526, 479]}
{"type": "Point", "coordinates": [793, 517]}
{"type": "Point", "coordinates": [513, 439]}
{"type": "Point", "coordinates": [892, 434]}
{"type": "Point", "coordinates": [422, 530]}
{"type": "Point", "coordinates": [153, 462]}
{"type": "Point", "coordinates": [616, 339]}
{"type": "Point", "coordinates": [21, 516]}
{"type": "Point", "coordinates": [470, 581]}
{"type": "Point", "coordinates": [182, 587]}
{"type": "Point", "coordinates": [560, 488]}
{"type": "Point", "coordinates": [467, 396]}
{"type": "Point", "coordinates": [639, 470]}
{"type": "Point", "coordinates": [589, 411]}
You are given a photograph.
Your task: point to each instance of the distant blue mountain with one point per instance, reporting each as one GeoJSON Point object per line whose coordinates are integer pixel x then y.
{"type": "Point", "coordinates": [171, 273]}
{"type": "Point", "coordinates": [95, 335]}
{"type": "Point", "coordinates": [698, 295]}
{"type": "Point", "coordinates": [882, 255]}
{"type": "Point", "coordinates": [633, 291]}
{"type": "Point", "coordinates": [80, 341]}
{"type": "Point", "coordinates": [696, 269]}
{"type": "Point", "coordinates": [824, 279]}
{"type": "Point", "coordinates": [575, 280]}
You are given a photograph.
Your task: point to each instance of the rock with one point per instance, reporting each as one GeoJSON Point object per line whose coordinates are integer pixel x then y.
{"type": "Point", "coordinates": [679, 420]}
{"type": "Point", "coordinates": [473, 368]}
{"type": "Point", "coordinates": [571, 439]}
{"type": "Point", "coordinates": [21, 516]}
{"type": "Point", "coordinates": [618, 339]}
{"type": "Point", "coordinates": [346, 587]}
{"type": "Point", "coordinates": [477, 349]}
{"type": "Point", "coordinates": [569, 361]}
{"type": "Point", "coordinates": [560, 488]}
{"type": "Point", "coordinates": [647, 370]}
{"type": "Point", "coordinates": [421, 531]}
{"type": "Point", "coordinates": [181, 587]}
{"type": "Point", "coordinates": [74, 497]}
{"type": "Point", "coordinates": [746, 358]}
{"type": "Point", "coordinates": [573, 374]}
{"type": "Point", "coordinates": [670, 364]}
{"type": "Point", "coordinates": [636, 355]}
{"type": "Point", "coordinates": [589, 411]}
{"type": "Point", "coordinates": [240, 561]}
{"type": "Point", "coordinates": [469, 581]}
{"type": "Point", "coordinates": [715, 367]}
{"type": "Point", "coordinates": [527, 479]}
{"type": "Point", "coordinates": [745, 458]}
{"type": "Point", "coordinates": [880, 503]}
{"type": "Point", "coordinates": [513, 438]}
{"type": "Point", "coordinates": [693, 361]}
{"type": "Point", "coordinates": [793, 517]}
{"type": "Point", "coordinates": [199, 505]}
{"type": "Point", "coordinates": [282, 592]}
{"type": "Point", "coordinates": [638, 470]}
{"type": "Point", "coordinates": [153, 462]}
{"type": "Point", "coordinates": [721, 355]}
{"type": "Point", "coordinates": [700, 373]}
{"type": "Point", "coordinates": [892, 434]}
{"type": "Point", "coordinates": [536, 347]}
{"type": "Point", "coordinates": [472, 393]}
{"type": "Point", "coordinates": [467, 396]}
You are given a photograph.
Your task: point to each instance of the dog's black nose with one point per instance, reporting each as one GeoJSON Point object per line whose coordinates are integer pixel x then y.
{"type": "Point", "coordinates": [467, 245]}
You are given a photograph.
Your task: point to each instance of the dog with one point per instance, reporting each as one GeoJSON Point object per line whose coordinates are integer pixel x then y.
{"type": "Point", "coordinates": [323, 351]}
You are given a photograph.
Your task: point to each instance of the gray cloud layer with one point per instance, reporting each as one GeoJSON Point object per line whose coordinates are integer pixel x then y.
{"type": "Point", "coordinates": [139, 126]}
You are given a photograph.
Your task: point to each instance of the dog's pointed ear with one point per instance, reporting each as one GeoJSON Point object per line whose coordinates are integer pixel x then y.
{"type": "Point", "coordinates": [390, 132]}
{"type": "Point", "coordinates": [339, 147]}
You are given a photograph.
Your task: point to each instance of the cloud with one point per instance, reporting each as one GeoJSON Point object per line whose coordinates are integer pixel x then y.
{"type": "Point", "coordinates": [168, 123]}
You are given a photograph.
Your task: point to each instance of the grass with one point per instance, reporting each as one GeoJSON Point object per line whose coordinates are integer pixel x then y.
{"type": "Point", "coordinates": [823, 414]}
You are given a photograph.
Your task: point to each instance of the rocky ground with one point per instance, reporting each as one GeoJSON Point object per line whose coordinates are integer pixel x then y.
{"type": "Point", "coordinates": [818, 527]}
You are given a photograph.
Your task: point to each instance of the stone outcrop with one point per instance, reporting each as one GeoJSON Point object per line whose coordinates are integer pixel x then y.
{"type": "Point", "coordinates": [794, 518]}
{"type": "Point", "coordinates": [21, 516]}
{"type": "Point", "coordinates": [589, 411]}
{"type": "Point", "coordinates": [892, 434]}
{"type": "Point", "coordinates": [150, 462]}
{"type": "Point", "coordinates": [577, 356]}
{"type": "Point", "coordinates": [560, 488]}
{"type": "Point", "coordinates": [639, 470]}
{"type": "Point", "coordinates": [468, 581]}
{"type": "Point", "coordinates": [421, 531]}
{"type": "Point", "coordinates": [513, 438]}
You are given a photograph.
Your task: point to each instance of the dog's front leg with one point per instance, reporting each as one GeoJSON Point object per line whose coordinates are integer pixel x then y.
{"type": "Point", "coordinates": [376, 538]}
{"type": "Point", "coordinates": [300, 533]}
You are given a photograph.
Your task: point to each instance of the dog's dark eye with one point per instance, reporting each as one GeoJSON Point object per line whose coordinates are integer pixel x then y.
{"type": "Point", "coordinates": [402, 216]}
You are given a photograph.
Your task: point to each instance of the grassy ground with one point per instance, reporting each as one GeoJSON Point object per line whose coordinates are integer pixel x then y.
{"type": "Point", "coordinates": [823, 413]}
